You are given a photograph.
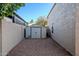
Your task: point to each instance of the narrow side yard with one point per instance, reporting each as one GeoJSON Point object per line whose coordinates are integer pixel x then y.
{"type": "Point", "coordinates": [38, 47]}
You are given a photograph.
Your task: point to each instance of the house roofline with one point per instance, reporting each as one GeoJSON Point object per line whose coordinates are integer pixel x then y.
{"type": "Point", "coordinates": [19, 17]}
{"type": "Point", "coordinates": [51, 10]}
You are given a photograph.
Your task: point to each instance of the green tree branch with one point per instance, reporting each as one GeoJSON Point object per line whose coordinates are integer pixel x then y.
{"type": "Point", "coordinates": [7, 9]}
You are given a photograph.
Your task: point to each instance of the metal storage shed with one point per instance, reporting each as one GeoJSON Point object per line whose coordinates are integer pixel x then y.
{"type": "Point", "coordinates": [35, 32]}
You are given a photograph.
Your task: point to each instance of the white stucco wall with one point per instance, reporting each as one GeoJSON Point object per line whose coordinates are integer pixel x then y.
{"type": "Point", "coordinates": [77, 31]}
{"type": "Point", "coordinates": [0, 38]}
{"type": "Point", "coordinates": [63, 18]}
{"type": "Point", "coordinates": [8, 19]}
{"type": "Point", "coordinates": [12, 34]}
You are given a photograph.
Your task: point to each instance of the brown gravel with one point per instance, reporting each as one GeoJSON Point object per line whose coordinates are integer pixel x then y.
{"type": "Point", "coordinates": [38, 47]}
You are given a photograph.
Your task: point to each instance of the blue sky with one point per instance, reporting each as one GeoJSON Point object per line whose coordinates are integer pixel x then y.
{"type": "Point", "coordinates": [34, 10]}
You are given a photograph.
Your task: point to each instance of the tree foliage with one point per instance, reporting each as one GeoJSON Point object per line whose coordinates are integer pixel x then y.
{"type": "Point", "coordinates": [42, 21]}
{"type": "Point", "coordinates": [7, 9]}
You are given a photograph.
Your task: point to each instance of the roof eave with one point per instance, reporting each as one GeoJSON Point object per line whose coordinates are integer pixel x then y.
{"type": "Point", "coordinates": [51, 10]}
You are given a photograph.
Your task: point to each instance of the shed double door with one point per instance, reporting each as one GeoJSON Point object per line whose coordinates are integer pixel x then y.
{"type": "Point", "coordinates": [35, 32]}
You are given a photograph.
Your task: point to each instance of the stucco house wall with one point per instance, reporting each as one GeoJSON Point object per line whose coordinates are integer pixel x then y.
{"type": "Point", "coordinates": [62, 18]}
{"type": "Point", "coordinates": [15, 18]}
{"type": "Point", "coordinates": [18, 20]}
{"type": "Point", "coordinates": [12, 34]}
{"type": "Point", "coordinates": [77, 31]}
